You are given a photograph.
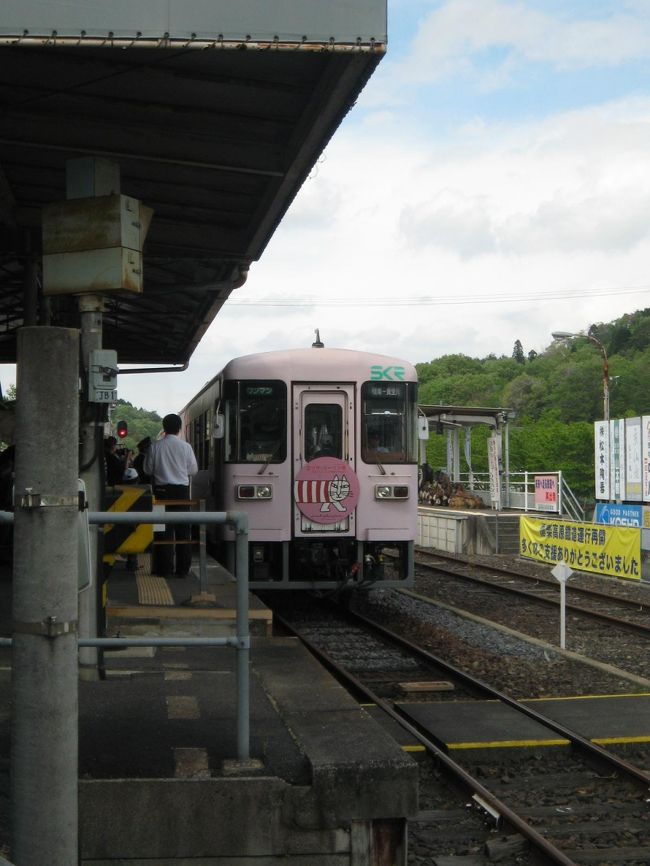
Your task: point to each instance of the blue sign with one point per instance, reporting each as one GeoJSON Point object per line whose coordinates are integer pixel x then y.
{"type": "Point", "coordinates": [619, 515]}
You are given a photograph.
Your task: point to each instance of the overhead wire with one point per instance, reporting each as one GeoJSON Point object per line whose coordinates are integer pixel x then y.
{"type": "Point", "coordinates": [429, 301]}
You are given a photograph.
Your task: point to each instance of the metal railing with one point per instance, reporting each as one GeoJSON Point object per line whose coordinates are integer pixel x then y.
{"type": "Point", "coordinates": [519, 493]}
{"type": "Point", "coordinates": [240, 641]}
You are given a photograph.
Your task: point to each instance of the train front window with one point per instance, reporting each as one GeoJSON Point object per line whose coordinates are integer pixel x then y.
{"type": "Point", "coordinates": [256, 421]}
{"type": "Point", "coordinates": [388, 422]}
{"type": "Point", "coordinates": [323, 430]}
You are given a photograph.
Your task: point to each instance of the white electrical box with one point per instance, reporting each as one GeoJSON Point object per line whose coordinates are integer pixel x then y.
{"type": "Point", "coordinates": [102, 376]}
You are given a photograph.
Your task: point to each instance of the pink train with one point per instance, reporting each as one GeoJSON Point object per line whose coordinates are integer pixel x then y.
{"type": "Point", "coordinates": [320, 448]}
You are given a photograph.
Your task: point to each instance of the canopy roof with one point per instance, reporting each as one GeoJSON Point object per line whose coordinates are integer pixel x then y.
{"type": "Point", "coordinates": [214, 131]}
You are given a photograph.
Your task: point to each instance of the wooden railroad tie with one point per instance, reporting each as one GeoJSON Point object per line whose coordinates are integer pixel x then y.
{"type": "Point", "coordinates": [427, 686]}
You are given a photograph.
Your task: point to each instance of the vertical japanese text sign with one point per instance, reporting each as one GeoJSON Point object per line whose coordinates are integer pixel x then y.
{"type": "Point", "coordinates": [601, 459]}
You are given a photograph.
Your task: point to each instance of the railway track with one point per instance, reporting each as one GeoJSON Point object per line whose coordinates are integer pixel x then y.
{"type": "Point", "coordinates": [621, 641]}
{"type": "Point", "coordinates": [626, 612]}
{"type": "Point", "coordinates": [572, 805]}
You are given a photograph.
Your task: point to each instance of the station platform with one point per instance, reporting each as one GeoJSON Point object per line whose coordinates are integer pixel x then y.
{"type": "Point", "coordinates": [139, 598]}
{"type": "Point", "coordinates": [475, 725]}
{"type": "Point", "coordinates": [159, 780]}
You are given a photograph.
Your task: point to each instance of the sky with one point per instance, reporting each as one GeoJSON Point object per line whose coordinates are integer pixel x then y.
{"type": "Point", "coordinates": [492, 184]}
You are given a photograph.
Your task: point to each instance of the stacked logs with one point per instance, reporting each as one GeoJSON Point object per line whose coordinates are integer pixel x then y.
{"type": "Point", "coordinates": [438, 490]}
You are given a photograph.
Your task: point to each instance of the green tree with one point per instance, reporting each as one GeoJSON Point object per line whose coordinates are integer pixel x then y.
{"type": "Point", "coordinates": [518, 353]}
{"type": "Point", "coordinates": [141, 423]}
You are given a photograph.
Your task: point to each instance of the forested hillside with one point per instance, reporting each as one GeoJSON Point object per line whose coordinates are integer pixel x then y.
{"type": "Point", "coordinates": [556, 395]}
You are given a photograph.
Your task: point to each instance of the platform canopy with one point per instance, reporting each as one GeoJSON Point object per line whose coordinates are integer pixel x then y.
{"type": "Point", "coordinates": [215, 112]}
{"type": "Point", "coordinates": [449, 417]}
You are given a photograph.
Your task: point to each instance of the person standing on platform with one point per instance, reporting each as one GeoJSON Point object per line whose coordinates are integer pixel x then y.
{"type": "Point", "coordinates": [115, 465]}
{"type": "Point", "coordinates": [138, 464]}
{"type": "Point", "coordinates": [171, 463]}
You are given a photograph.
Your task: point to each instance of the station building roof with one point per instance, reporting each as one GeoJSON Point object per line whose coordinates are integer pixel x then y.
{"type": "Point", "coordinates": [214, 112]}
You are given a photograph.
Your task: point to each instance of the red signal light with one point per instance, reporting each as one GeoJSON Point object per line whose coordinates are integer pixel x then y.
{"type": "Point", "coordinates": [122, 430]}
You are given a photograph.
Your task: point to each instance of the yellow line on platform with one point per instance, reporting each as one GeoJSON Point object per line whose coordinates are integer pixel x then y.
{"type": "Point", "coordinates": [167, 612]}
{"type": "Point", "coordinates": [587, 697]}
{"type": "Point", "coordinates": [612, 741]}
{"type": "Point", "coordinates": [507, 744]}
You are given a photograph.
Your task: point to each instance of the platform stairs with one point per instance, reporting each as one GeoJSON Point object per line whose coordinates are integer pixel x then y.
{"type": "Point", "coordinates": [500, 533]}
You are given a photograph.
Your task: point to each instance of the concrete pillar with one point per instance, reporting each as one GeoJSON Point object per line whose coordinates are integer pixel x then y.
{"type": "Point", "coordinates": [44, 742]}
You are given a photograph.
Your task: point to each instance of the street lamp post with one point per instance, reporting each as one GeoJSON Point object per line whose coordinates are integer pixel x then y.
{"type": "Point", "coordinates": [568, 335]}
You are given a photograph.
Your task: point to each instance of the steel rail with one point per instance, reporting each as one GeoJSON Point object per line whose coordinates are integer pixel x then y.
{"type": "Point", "coordinates": [506, 572]}
{"type": "Point", "coordinates": [637, 627]}
{"type": "Point", "coordinates": [546, 849]}
{"type": "Point", "coordinates": [593, 750]}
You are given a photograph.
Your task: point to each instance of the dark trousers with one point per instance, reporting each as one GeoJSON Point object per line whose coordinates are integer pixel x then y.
{"type": "Point", "coordinates": [163, 554]}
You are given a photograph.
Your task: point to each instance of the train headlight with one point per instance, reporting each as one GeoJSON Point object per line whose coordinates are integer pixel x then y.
{"type": "Point", "coordinates": [254, 491]}
{"type": "Point", "coordinates": [390, 491]}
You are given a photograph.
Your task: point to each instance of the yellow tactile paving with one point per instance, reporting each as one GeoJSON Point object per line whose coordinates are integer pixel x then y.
{"type": "Point", "coordinates": [153, 590]}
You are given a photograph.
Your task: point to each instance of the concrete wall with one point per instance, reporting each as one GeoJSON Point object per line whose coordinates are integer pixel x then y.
{"type": "Point", "coordinates": [466, 532]}
{"type": "Point", "coordinates": [442, 531]}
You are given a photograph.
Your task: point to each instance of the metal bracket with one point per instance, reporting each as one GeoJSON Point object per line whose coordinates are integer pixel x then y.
{"type": "Point", "coordinates": [50, 627]}
{"type": "Point", "coordinates": [29, 500]}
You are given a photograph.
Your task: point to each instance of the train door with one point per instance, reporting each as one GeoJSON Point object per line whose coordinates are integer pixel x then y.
{"type": "Point", "coordinates": [323, 427]}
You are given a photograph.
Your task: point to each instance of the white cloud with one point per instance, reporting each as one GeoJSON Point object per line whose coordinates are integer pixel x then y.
{"type": "Point", "coordinates": [529, 211]}
{"type": "Point", "coordinates": [455, 38]}
{"type": "Point", "coordinates": [451, 221]}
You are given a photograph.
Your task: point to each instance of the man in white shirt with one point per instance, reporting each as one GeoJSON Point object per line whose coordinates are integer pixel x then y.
{"type": "Point", "coordinates": [171, 463]}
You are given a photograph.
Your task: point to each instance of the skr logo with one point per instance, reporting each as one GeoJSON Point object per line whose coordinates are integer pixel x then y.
{"type": "Point", "coordinates": [390, 373]}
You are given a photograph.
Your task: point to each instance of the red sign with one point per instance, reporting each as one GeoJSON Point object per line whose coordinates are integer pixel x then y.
{"type": "Point", "coordinates": [326, 490]}
{"type": "Point", "coordinates": [546, 490]}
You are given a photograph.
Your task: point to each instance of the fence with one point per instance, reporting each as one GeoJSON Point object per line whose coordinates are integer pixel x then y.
{"type": "Point", "coordinates": [519, 492]}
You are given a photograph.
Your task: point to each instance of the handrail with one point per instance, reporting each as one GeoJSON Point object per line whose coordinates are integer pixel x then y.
{"type": "Point", "coordinates": [521, 491]}
{"type": "Point", "coordinates": [241, 641]}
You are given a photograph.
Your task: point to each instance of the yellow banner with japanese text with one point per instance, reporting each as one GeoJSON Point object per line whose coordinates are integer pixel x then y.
{"type": "Point", "coordinates": [594, 547]}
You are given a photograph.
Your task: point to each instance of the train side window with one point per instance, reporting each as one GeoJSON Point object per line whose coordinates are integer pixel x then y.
{"type": "Point", "coordinates": [256, 421]}
{"type": "Point", "coordinates": [388, 422]}
{"type": "Point", "coordinates": [323, 428]}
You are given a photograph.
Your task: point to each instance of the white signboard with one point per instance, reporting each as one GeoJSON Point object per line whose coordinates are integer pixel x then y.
{"type": "Point", "coordinates": [633, 465]}
{"type": "Point", "coordinates": [494, 448]}
{"type": "Point", "coordinates": [602, 459]}
{"type": "Point", "coordinates": [645, 450]}
{"type": "Point", "coordinates": [617, 455]}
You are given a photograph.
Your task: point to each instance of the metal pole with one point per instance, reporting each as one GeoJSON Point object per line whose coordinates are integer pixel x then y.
{"type": "Point", "coordinates": [91, 455]}
{"type": "Point", "coordinates": [603, 352]}
{"type": "Point", "coordinates": [506, 427]}
{"type": "Point", "coordinates": [526, 490]}
{"type": "Point", "coordinates": [243, 633]}
{"type": "Point", "coordinates": [44, 740]}
{"type": "Point", "coordinates": [203, 563]}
